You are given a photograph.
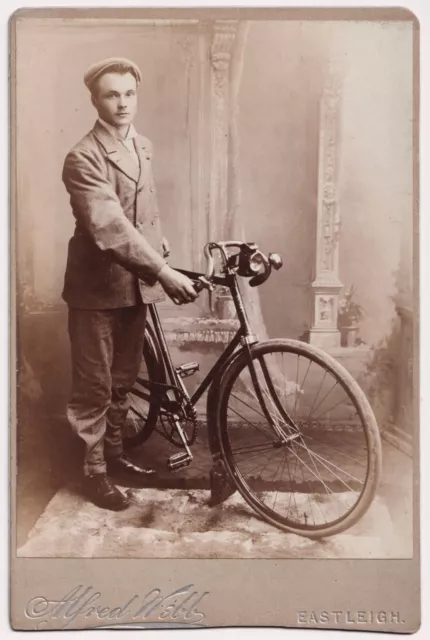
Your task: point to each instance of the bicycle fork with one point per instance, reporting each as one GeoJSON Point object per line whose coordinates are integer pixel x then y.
{"type": "Point", "coordinates": [247, 340]}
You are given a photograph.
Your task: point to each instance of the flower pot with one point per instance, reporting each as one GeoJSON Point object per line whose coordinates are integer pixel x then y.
{"type": "Point", "coordinates": [348, 336]}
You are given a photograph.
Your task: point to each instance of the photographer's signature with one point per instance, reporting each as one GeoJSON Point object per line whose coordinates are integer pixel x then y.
{"type": "Point", "coordinates": [178, 608]}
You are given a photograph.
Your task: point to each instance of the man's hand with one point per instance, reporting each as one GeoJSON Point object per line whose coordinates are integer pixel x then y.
{"type": "Point", "coordinates": [166, 247]}
{"type": "Point", "coordinates": [177, 286]}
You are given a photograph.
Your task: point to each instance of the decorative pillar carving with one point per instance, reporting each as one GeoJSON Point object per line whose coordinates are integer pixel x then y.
{"type": "Point", "coordinates": [188, 46]}
{"type": "Point", "coordinates": [224, 33]}
{"type": "Point", "coordinates": [326, 286]}
{"type": "Point", "coordinates": [223, 38]}
{"type": "Point", "coordinates": [203, 169]}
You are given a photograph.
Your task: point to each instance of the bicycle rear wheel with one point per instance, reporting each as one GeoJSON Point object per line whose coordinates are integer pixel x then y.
{"type": "Point", "coordinates": [144, 399]}
{"type": "Point", "coordinates": [306, 454]}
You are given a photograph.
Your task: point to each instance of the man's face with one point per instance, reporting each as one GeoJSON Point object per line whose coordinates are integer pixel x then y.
{"type": "Point", "coordinates": [115, 98]}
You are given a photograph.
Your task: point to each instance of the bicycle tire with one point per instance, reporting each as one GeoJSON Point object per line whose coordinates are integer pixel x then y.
{"type": "Point", "coordinates": [299, 445]}
{"type": "Point", "coordinates": [142, 415]}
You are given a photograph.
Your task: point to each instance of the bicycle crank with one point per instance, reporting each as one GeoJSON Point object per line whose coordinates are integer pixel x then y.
{"type": "Point", "coordinates": [183, 458]}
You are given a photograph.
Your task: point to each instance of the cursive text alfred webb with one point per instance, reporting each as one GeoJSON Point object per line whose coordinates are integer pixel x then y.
{"type": "Point", "coordinates": [179, 606]}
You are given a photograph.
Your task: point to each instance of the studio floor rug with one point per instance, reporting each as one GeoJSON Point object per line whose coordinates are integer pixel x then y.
{"type": "Point", "coordinates": [181, 524]}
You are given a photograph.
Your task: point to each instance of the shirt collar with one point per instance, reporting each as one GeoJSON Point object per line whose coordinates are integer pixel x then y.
{"type": "Point", "coordinates": [131, 133]}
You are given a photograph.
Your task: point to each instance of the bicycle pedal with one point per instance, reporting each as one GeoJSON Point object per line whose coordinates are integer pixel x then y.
{"type": "Point", "coordinates": [187, 369]}
{"type": "Point", "coordinates": [178, 461]}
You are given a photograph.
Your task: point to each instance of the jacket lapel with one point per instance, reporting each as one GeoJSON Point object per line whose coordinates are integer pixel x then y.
{"type": "Point", "coordinates": [143, 148]}
{"type": "Point", "coordinates": [116, 152]}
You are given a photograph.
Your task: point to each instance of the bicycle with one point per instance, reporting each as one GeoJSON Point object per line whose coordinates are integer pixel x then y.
{"type": "Point", "coordinates": [288, 426]}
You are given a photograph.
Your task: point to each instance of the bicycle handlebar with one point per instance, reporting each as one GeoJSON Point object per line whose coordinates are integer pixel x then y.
{"type": "Point", "coordinates": [273, 260]}
{"type": "Point", "coordinates": [222, 246]}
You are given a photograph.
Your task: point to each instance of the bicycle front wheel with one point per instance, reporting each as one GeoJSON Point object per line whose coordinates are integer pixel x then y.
{"type": "Point", "coordinates": [300, 440]}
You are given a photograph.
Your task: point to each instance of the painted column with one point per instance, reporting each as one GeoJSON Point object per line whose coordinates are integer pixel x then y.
{"type": "Point", "coordinates": [196, 49]}
{"type": "Point", "coordinates": [224, 33]}
{"type": "Point", "coordinates": [223, 38]}
{"type": "Point", "coordinates": [203, 170]}
{"type": "Point", "coordinates": [326, 286]}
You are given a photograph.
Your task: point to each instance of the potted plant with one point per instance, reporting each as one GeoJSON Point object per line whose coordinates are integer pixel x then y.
{"type": "Point", "coordinates": [350, 314]}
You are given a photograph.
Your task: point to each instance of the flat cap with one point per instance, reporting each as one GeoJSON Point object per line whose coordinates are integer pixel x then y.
{"type": "Point", "coordinates": [103, 66]}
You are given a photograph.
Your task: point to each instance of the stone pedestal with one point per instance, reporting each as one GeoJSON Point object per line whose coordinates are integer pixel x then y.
{"type": "Point", "coordinates": [324, 332]}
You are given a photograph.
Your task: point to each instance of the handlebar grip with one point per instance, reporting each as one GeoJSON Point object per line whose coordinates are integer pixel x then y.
{"type": "Point", "coordinates": [202, 283]}
{"type": "Point", "coordinates": [258, 279]}
{"type": "Point", "coordinates": [198, 286]}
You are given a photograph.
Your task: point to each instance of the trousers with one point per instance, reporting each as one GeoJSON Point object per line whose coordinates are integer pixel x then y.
{"type": "Point", "coordinates": [106, 350]}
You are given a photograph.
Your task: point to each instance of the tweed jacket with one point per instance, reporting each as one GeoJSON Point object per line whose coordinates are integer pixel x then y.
{"type": "Point", "coordinates": [116, 251]}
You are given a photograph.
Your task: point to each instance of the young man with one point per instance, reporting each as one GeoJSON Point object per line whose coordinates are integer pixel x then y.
{"type": "Point", "coordinates": [115, 267]}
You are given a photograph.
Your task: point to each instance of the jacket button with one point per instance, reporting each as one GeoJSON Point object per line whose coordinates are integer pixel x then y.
{"type": "Point", "coordinates": [140, 189]}
{"type": "Point", "coordinates": [152, 189]}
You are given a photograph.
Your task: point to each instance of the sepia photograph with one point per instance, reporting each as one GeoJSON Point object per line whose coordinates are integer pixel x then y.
{"type": "Point", "coordinates": [216, 294]}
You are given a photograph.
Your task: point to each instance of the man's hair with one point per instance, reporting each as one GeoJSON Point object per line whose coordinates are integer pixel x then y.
{"type": "Point", "coordinates": [121, 68]}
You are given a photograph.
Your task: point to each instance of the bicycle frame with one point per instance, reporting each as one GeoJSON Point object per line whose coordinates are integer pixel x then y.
{"type": "Point", "coordinates": [243, 336]}
{"type": "Point", "coordinates": [246, 338]}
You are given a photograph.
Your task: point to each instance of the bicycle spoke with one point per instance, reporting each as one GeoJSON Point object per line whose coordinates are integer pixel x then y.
{"type": "Point", "coordinates": [249, 406]}
{"type": "Point", "coordinates": [324, 460]}
{"type": "Point", "coordinates": [273, 416]}
{"type": "Point", "coordinates": [254, 456]}
{"type": "Point", "coordinates": [297, 383]}
{"type": "Point", "coordinates": [292, 493]}
{"type": "Point", "coordinates": [306, 375]}
{"type": "Point", "coordinates": [253, 448]}
{"type": "Point", "coordinates": [276, 473]}
{"type": "Point", "coordinates": [264, 466]}
{"type": "Point", "coordinates": [330, 409]}
{"type": "Point", "coordinates": [257, 400]}
{"type": "Point", "coordinates": [251, 424]}
{"type": "Point", "coordinates": [308, 499]}
{"type": "Point", "coordinates": [338, 451]}
{"type": "Point", "coordinates": [312, 473]}
{"type": "Point", "coordinates": [326, 396]}
{"type": "Point", "coordinates": [279, 418]}
{"type": "Point", "coordinates": [325, 488]}
{"type": "Point", "coordinates": [277, 492]}
{"type": "Point", "coordinates": [312, 408]}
